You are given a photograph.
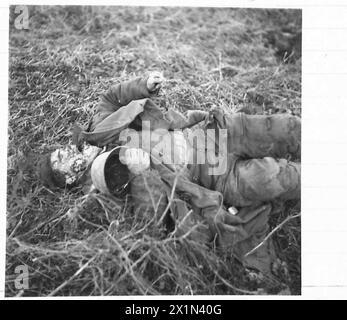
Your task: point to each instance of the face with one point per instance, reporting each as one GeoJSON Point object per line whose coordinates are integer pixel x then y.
{"type": "Point", "coordinates": [71, 163]}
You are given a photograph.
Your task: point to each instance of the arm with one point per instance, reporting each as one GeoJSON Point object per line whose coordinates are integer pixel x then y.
{"type": "Point", "coordinates": [179, 121]}
{"type": "Point", "coordinates": [266, 179]}
{"type": "Point", "coordinates": [123, 93]}
{"type": "Point", "coordinates": [117, 96]}
{"type": "Point", "coordinates": [258, 136]}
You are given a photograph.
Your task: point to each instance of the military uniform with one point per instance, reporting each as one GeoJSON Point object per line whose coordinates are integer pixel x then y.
{"type": "Point", "coordinates": [258, 170]}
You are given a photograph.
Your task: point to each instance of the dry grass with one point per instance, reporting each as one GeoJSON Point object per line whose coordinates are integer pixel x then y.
{"type": "Point", "coordinates": [58, 69]}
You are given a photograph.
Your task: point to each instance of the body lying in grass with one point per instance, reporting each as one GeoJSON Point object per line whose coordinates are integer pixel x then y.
{"type": "Point", "coordinates": [213, 191]}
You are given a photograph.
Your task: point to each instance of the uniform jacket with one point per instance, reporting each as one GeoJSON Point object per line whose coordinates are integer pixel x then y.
{"type": "Point", "coordinates": [257, 167]}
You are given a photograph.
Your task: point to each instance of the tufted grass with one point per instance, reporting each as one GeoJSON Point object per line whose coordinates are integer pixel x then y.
{"type": "Point", "coordinates": [58, 69]}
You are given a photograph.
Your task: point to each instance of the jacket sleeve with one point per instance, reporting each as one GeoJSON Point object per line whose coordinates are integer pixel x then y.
{"type": "Point", "coordinates": [202, 199]}
{"type": "Point", "coordinates": [179, 121]}
{"type": "Point", "coordinates": [258, 136]}
{"type": "Point", "coordinates": [259, 180]}
{"type": "Point", "coordinates": [118, 96]}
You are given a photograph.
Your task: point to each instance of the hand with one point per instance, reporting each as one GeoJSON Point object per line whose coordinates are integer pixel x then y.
{"type": "Point", "coordinates": [136, 159]}
{"type": "Point", "coordinates": [155, 81]}
{"type": "Point", "coordinates": [247, 222]}
{"type": "Point", "coordinates": [225, 222]}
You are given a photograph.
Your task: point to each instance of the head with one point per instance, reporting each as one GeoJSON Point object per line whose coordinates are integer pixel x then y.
{"type": "Point", "coordinates": [64, 167]}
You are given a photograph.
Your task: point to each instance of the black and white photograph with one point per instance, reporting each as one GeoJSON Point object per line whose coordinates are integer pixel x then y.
{"type": "Point", "coordinates": [153, 150]}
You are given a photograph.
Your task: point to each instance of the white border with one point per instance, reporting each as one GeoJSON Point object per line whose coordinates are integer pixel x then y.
{"type": "Point", "coordinates": [324, 136]}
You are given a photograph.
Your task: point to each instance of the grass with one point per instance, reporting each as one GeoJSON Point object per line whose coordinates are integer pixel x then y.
{"type": "Point", "coordinates": [58, 69]}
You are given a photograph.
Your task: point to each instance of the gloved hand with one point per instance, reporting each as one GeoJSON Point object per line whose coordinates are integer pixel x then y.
{"type": "Point", "coordinates": [136, 159]}
{"type": "Point", "coordinates": [232, 229]}
{"type": "Point", "coordinates": [242, 232]}
{"type": "Point", "coordinates": [229, 225]}
{"type": "Point", "coordinates": [155, 81]}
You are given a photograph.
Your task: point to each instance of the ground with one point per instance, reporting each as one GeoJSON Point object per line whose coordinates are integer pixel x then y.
{"type": "Point", "coordinates": [241, 59]}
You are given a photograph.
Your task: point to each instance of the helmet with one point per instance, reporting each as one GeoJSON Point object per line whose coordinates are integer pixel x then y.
{"type": "Point", "coordinates": [109, 175]}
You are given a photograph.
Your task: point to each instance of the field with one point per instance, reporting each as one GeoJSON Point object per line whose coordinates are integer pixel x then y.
{"type": "Point", "coordinates": [242, 59]}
